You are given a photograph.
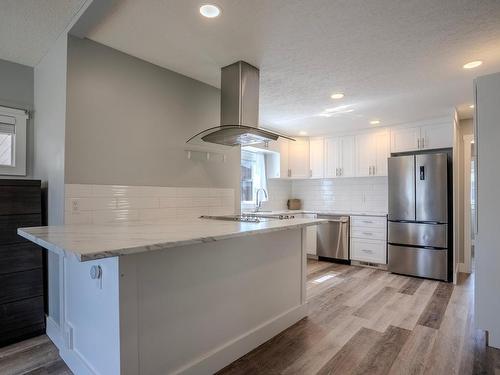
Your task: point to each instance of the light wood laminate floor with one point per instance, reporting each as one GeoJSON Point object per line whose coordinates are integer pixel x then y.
{"type": "Point", "coordinates": [360, 321]}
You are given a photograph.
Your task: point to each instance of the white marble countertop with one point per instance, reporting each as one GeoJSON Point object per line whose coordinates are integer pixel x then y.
{"type": "Point", "coordinates": [88, 242]}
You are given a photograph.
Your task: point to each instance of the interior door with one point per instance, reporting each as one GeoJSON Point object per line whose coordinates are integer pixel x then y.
{"type": "Point", "coordinates": [402, 188]}
{"type": "Point", "coordinates": [431, 176]}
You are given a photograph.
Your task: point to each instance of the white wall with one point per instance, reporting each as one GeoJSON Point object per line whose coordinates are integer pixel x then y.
{"type": "Point", "coordinates": [487, 285]}
{"type": "Point", "coordinates": [50, 121]}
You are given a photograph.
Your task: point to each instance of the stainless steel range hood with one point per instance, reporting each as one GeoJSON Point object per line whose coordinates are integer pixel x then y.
{"type": "Point", "coordinates": [239, 110]}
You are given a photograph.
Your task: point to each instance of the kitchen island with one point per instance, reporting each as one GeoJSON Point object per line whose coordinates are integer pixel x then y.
{"type": "Point", "coordinates": [174, 297]}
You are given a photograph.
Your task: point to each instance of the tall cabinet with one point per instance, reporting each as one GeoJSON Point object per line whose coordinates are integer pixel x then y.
{"type": "Point", "coordinates": [21, 263]}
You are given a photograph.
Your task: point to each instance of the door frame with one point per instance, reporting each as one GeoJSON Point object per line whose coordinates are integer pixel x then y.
{"type": "Point", "coordinates": [467, 261]}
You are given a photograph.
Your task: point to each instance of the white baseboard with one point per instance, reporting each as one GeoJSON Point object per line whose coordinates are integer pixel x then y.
{"type": "Point", "coordinates": [234, 349]}
{"type": "Point", "coordinates": [54, 332]}
{"type": "Point", "coordinates": [463, 268]}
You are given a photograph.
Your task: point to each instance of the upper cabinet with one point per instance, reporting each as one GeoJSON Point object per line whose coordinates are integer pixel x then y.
{"type": "Point", "coordinates": [339, 157]}
{"type": "Point", "coordinates": [362, 154]}
{"type": "Point", "coordinates": [277, 159]}
{"type": "Point", "coordinates": [424, 137]}
{"type": "Point", "coordinates": [317, 157]}
{"type": "Point", "coordinates": [436, 136]}
{"type": "Point", "coordinates": [298, 158]}
{"type": "Point", "coordinates": [372, 151]}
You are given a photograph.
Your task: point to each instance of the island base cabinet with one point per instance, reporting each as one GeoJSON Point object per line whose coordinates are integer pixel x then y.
{"type": "Point", "coordinates": [183, 310]}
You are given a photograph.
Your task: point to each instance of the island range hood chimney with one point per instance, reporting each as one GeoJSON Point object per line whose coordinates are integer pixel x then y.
{"type": "Point", "coordinates": [239, 110]}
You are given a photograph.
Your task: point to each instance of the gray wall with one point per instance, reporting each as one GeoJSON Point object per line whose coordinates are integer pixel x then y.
{"type": "Point", "coordinates": [16, 90]}
{"type": "Point", "coordinates": [128, 120]}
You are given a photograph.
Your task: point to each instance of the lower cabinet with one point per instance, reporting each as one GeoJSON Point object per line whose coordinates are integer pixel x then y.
{"type": "Point", "coordinates": [369, 239]}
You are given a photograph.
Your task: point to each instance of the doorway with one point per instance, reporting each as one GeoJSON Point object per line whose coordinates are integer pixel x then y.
{"type": "Point", "coordinates": [469, 203]}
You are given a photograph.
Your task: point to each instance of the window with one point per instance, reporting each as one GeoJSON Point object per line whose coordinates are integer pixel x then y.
{"type": "Point", "coordinates": [253, 175]}
{"type": "Point", "coordinates": [12, 141]}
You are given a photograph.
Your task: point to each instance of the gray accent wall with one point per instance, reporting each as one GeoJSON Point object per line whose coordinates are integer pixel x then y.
{"type": "Point", "coordinates": [128, 121]}
{"type": "Point", "coordinates": [16, 91]}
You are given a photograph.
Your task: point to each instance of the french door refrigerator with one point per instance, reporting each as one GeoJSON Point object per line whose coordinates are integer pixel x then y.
{"type": "Point", "coordinates": [419, 215]}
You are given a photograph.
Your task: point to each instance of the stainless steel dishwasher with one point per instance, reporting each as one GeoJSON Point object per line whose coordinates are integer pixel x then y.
{"type": "Point", "coordinates": [333, 239]}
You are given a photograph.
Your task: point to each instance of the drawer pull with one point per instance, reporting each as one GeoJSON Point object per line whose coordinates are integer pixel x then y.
{"type": "Point", "coordinates": [368, 233]}
{"type": "Point", "coordinates": [367, 221]}
{"type": "Point", "coordinates": [367, 251]}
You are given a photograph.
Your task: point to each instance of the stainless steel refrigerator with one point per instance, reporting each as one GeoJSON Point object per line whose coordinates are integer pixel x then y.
{"type": "Point", "coordinates": [419, 219]}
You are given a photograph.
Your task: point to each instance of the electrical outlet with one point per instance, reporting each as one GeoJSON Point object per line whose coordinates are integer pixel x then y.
{"type": "Point", "coordinates": [75, 205]}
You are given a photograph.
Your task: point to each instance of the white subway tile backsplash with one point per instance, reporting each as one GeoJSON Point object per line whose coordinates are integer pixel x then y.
{"type": "Point", "coordinates": [360, 194]}
{"type": "Point", "coordinates": [137, 202]}
{"type": "Point", "coordinates": [117, 203]}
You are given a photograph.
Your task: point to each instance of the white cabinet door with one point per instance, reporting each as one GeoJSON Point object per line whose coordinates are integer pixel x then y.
{"type": "Point", "coordinates": [298, 158]}
{"type": "Point", "coordinates": [381, 151]}
{"type": "Point", "coordinates": [317, 157]}
{"type": "Point", "coordinates": [348, 157]}
{"type": "Point", "coordinates": [283, 157]}
{"type": "Point", "coordinates": [436, 136]}
{"type": "Point", "coordinates": [332, 157]}
{"type": "Point", "coordinates": [365, 154]}
{"type": "Point", "coordinates": [405, 139]}
{"type": "Point", "coordinates": [311, 240]}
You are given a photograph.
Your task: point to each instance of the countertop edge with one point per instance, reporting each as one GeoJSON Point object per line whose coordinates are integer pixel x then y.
{"type": "Point", "coordinates": [157, 246]}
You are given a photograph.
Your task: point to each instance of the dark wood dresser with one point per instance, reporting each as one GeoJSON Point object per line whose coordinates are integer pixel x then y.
{"type": "Point", "coordinates": [21, 262]}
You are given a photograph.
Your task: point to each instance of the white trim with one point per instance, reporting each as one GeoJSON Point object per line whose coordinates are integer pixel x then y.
{"type": "Point", "coordinates": [467, 261]}
{"type": "Point", "coordinates": [54, 332]}
{"type": "Point", "coordinates": [19, 156]}
{"type": "Point", "coordinates": [229, 352]}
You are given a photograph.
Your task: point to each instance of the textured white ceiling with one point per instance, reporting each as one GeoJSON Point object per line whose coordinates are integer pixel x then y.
{"type": "Point", "coordinates": [29, 27]}
{"type": "Point", "coordinates": [397, 61]}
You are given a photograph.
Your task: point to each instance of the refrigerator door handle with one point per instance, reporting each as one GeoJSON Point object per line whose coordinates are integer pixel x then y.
{"type": "Point", "coordinates": [422, 172]}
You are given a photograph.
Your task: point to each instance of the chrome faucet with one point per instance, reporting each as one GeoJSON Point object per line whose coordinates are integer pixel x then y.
{"type": "Point", "coordinates": [258, 202]}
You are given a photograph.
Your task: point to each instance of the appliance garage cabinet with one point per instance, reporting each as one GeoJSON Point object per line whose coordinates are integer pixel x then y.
{"type": "Point", "coordinates": [22, 304]}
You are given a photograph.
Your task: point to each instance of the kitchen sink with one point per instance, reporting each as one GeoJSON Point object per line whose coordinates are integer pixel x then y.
{"type": "Point", "coordinates": [249, 218]}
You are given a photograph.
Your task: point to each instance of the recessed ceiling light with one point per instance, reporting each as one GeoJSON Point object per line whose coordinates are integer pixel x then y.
{"type": "Point", "coordinates": [472, 64]}
{"type": "Point", "coordinates": [471, 106]}
{"type": "Point", "coordinates": [210, 10]}
{"type": "Point", "coordinates": [337, 95]}
{"type": "Point", "coordinates": [374, 122]}
{"type": "Point", "coordinates": [302, 132]}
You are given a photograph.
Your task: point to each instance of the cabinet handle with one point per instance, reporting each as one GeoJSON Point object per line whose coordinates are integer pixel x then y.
{"type": "Point", "coordinates": [336, 171]}
{"type": "Point", "coordinates": [370, 170]}
{"type": "Point", "coordinates": [423, 142]}
{"type": "Point", "coordinates": [368, 233]}
{"type": "Point", "coordinates": [367, 251]}
{"type": "Point", "coordinates": [310, 172]}
{"type": "Point", "coordinates": [289, 173]}
{"type": "Point", "coordinates": [367, 221]}
{"type": "Point", "coordinates": [374, 170]}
